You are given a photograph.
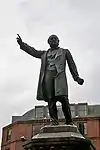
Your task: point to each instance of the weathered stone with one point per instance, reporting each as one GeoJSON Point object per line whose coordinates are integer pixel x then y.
{"type": "Point", "coordinates": [61, 137]}
{"type": "Point", "coordinates": [59, 128]}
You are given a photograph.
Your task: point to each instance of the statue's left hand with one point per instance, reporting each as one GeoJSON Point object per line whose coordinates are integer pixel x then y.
{"type": "Point", "coordinates": [80, 81]}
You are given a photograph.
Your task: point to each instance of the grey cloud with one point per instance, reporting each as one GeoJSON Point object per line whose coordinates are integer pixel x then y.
{"type": "Point", "coordinates": [77, 23]}
{"type": "Point", "coordinates": [78, 27]}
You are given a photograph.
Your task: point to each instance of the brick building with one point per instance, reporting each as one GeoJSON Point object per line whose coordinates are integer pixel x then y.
{"type": "Point", "coordinates": [24, 127]}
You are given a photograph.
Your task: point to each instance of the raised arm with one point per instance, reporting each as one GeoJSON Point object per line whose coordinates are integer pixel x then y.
{"type": "Point", "coordinates": [73, 68]}
{"type": "Point", "coordinates": [30, 50]}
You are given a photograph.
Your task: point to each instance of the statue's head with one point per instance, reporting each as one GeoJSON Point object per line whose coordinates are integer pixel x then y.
{"type": "Point", "coordinates": [53, 41]}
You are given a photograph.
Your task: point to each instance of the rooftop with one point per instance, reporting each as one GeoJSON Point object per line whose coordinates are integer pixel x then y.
{"type": "Point", "coordinates": [77, 110]}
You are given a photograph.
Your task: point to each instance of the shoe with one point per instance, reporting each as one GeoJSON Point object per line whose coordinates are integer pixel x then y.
{"type": "Point", "coordinates": [54, 122]}
{"type": "Point", "coordinates": [69, 123]}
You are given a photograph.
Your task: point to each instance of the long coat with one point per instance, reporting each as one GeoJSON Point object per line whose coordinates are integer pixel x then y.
{"type": "Point", "coordinates": [61, 87]}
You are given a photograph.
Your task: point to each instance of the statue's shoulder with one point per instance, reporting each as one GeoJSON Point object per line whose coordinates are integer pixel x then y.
{"type": "Point", "coordinates": [65, 50]}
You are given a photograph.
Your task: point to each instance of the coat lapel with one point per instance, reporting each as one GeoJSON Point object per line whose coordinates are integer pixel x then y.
{"type": "Point", "coordinates": [59, 53]}
{"type": "Point", "coordinates": [44, 60]}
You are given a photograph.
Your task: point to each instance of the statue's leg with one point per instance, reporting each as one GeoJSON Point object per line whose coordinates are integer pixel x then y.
{"type": "Point", "coordinates": [50, 95]}
{"type": "Point", "coordinates": [53, 111]}
{"type": "Point", "coordinates": [66, 109]}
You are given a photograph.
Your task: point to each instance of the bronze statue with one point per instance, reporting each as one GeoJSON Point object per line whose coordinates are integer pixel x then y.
{"type": "Point", "coordinates": [52, 86]}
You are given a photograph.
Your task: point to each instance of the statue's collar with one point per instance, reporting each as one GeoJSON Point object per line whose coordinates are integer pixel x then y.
{"type": "Point", "coordinates": [52, 49]}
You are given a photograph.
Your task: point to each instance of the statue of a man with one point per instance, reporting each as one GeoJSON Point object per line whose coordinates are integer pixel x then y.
{"type": "Point", "coordinates": [52, 86]}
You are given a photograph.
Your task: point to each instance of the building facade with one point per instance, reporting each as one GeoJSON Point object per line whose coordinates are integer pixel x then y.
{"type": "Point", "coordinates": [23, 128]}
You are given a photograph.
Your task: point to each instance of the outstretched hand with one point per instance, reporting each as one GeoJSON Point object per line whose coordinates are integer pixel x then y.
{"type": "Point", "coordinates": [19, 40]}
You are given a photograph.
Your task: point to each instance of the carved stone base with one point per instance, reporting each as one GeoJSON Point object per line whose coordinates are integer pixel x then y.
{"type": "Point", "coordinates": [60, 137]}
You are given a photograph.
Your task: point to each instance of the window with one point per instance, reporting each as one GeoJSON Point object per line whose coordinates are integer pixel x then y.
{"type": "Point", "coordinates": [9, 134]}
{"type": "Point", "coordinates": [47, 112]}
{"type": "Point", "coordinates": [39, 111]}
{"type": "Point", "coordinates": [82, 109]}
{"type": "Point", "coordinates": [85, 128]}
{"type": "Point", "coordinates": [82, 126]}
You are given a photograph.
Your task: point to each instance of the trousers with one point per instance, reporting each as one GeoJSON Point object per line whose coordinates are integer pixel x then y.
{"type": "Point", "coordinates": [52, 99]}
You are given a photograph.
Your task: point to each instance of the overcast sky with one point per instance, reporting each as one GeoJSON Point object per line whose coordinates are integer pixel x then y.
{"type": "Point", "coordinates": [77, 24]}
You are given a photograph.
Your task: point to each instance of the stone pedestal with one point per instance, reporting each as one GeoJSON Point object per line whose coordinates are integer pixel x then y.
{"type": "Point", "coordinates": [60, 137]}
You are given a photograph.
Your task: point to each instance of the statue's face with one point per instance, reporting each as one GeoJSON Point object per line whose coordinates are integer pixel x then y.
{"type": "Point", "coordinates": [53, 41]}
